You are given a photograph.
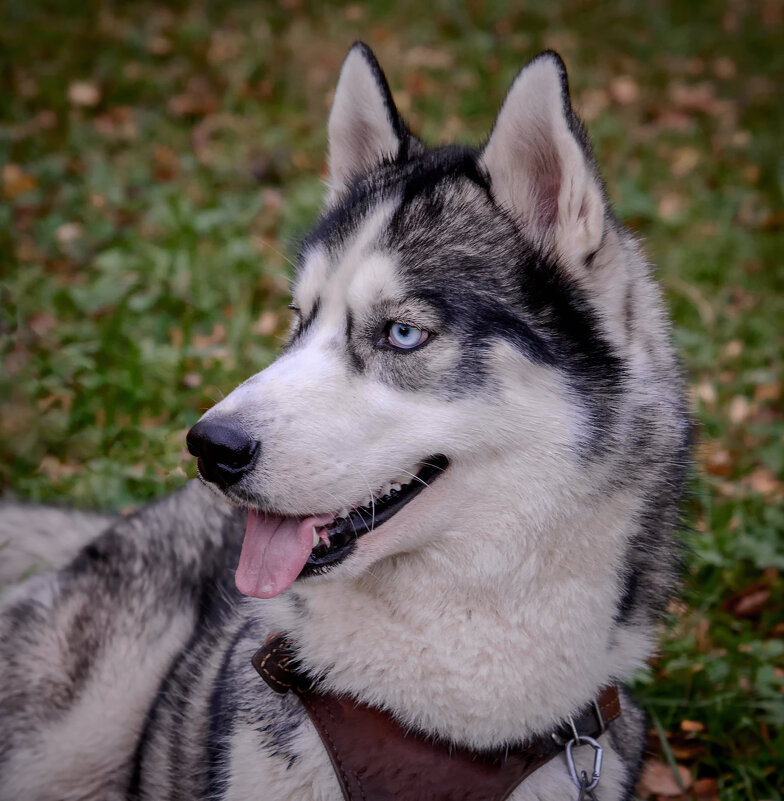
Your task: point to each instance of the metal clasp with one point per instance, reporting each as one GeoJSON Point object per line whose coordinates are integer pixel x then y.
{"type": "Point", "coordinates": [584, 784]}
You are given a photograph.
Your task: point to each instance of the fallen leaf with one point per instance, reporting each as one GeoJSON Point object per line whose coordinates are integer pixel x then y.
{"type": "Point", "coordinates": [217, 335]}
{"type": "Point", "coordinates": [724, 68]}
{"type": "Point", "coordinates": [192, 380]}
{"type": "Point", "coordinates": [167, 163]}
{"type": "Point", "coordinates": [774, 221]}
{"type": "Point", "coordinates": [624, 90]}
{"type": "Point", "coordinates": [748, 602]}
{"type": "Point", "coordinates": [684, 160]}
{"type": "Point", "coordinates": [428, 58]}
{"type": "Point", "coordinates": [739, 409]}
{"type": "Point", "coordinates": [267, 324]}
{"type": "Point", "coordinates": [54, 469]}
{"type": "Point", "coordinates": [84, 94]}
{"type": "Point", "coordinates": [706, 392]}
{"type": "Point", "coordinates": [16, 360]}
{"type": "Point", "coordinates": [69, 232]}
{"type": "Point", "coordinates": [770, 391]}
{"type": "Point", "coordinates": [41, 323]}
{"type": "Point", "coordinates": [706, 789]}
{"type": "Point", "coordinates": [354, 12]}
{"type": "Point", "coordinates": [657, 779]}
{"type": "Point", "coordinates": [763, 481]}
{"type": "Point", "coordinates": [16, 181]}
{"type": "Point", "coordinates": [716, 460]}
{"type": "Point", "coordinates": [670, 205]}
{"type": "Point", "coordinates": [691, 726]}
{"type": "Point", "coordinates": [592, 103]}
{"type": "Point", "coordinates": [159, 45]}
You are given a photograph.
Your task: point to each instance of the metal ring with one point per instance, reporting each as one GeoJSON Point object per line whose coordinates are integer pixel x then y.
{"type": "Point", "coordinates": [596, 772]}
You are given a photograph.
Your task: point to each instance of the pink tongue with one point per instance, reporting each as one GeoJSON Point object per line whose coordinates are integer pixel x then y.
{"type": "Point", "coordinates": [274, 552]}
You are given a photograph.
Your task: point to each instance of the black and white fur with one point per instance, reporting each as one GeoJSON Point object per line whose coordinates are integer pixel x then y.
{"type": "Point", "coordinates": [488, 609]}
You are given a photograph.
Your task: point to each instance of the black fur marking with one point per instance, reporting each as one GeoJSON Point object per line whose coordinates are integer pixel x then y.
{"type": "Point", "coordinates": [462, 254]}
{"type": "Point", "coordinates": [213, 598]}
{"type": "Point", "coordinates": [391, 180]}
{"type": "Point", "coordinates": [354, 358]}
{"type": "Point", "coordinates": [444, 163]}
{"type": "Point", "coordinates": [221, 705]}
{"type": "Point", "coordinates": [401, 131]}
{"type": "Point", "coordinates": [628, 597]}
{"type": "Point", "coordinates": [628, 310]}
{"type": "Point", "coordinates": [581, 350]}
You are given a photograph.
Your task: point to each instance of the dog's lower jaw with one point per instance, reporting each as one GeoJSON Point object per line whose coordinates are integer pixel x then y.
{"type": "Point", "coordinates": [478, 669]}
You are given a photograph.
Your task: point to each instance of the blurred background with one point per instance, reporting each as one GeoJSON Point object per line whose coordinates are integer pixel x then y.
{"type": "Point", "coordinates": [160, 160]}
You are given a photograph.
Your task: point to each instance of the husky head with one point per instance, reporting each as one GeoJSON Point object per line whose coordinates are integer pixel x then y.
{"type": "Point", "coordinates": [478, 370]}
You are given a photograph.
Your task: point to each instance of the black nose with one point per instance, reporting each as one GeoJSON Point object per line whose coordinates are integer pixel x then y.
{"type": "Point", "coordinates": [225, 452]}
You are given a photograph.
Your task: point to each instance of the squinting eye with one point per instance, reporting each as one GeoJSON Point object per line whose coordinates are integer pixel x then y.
{"type": "Point", "coordinates": [405, 337]}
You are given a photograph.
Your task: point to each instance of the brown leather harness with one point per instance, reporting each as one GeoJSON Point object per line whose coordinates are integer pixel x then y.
{"type": "Point", "coordinates": [376, 759]}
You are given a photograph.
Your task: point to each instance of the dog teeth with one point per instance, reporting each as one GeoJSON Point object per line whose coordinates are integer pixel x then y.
{"type": "Point", "coordinates": [316, 538]}
{"type": "Point", "coordinates": [384, 492]}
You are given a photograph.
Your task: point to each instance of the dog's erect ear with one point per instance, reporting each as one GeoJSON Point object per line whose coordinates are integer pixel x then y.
{"type": "Point", "coordinates": [364, 124]}
{"type": "Point", "coordinates": [541, 166]}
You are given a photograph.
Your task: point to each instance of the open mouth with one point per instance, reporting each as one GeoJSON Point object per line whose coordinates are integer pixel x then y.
{"type": "Point", "coordinates": [337, 538]}
{"type": "Point", "coordinates": [278, 550]}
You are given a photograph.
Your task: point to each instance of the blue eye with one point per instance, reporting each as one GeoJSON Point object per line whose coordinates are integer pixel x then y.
{"type": "Point", "coordinates": [405, 337]}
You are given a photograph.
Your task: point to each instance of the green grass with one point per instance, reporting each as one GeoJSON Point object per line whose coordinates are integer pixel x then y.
{"type": "Point", "coordinates": [142, 269]}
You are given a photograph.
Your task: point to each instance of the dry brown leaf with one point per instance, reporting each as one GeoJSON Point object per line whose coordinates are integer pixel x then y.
{"type": "Point", "coordinates": [41, 323]}
{"type": "Point", "coordinates": [592, 103]}
{"type": "Point", "coordinates": [773, 221]}
{"type": "Point", "coordinates": [69, 232]}
{"type": "Point", "coordinates": [670, 205]}
{"type": "Point", "coordinates": [707, 789]}
{"type": "Point", "coordinates": [16, 181]}
{"type": "Point", "coordinates": [770, 391]}
{"type": "Point", "coordinates": [192, 380]}
{"type": "Point", "coordinates": [724, 68]}
{"type": "Point", "coordinates": [198, 99]}
{"type": "Point", "coordinates": [691, 726]}
{"type": "Point", "coordinates": [217, 335]}
{"type": "Point", "coordinates": [739, 409]}
{"type": "Point", "coordinates": [624, 90]}
{"type": "Point", "coordinates": [706, 392]}
{"type": "Point", "coordinates": [54, 469]}
{"type": "Point", "coordinates": [763, 481]}
{"type": "Point", "coordinates": [267, 324]}
{"type": "Point", "coordinates": [159, 45]}
{"type": "Point", "coordinates": [657, 779]}
{"type": "Point", "coordinates": [354, 12]}
{"type": "Point", "coordinates": [84, 94]}
{"type": "Point", "coordinates": [684, 160]}
{"type": "Point", "coordinates": [716, 460]}
{"type": "Point", "coordinates": [748, 602]}
{"type": "Point", "coordinates": [428, 58]}
{"type": "Point", "coordinates": [167, 163]}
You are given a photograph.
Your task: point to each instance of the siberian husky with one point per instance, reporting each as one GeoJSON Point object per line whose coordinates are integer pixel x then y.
{"type": "Point", "coordinates": [455, 491]}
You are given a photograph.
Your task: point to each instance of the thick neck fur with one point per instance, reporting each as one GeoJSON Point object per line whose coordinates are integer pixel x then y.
{"type": "Point", "coordinates": [422, 635]}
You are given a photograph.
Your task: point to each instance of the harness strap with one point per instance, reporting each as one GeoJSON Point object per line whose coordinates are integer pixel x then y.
{"type": "Point", "coordinates": [376, 759]}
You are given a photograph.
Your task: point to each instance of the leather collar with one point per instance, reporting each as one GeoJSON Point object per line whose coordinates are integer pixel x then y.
{"type": "Point", "coordinates": [376, 759]}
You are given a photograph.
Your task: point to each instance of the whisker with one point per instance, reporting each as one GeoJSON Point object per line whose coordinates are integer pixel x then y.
{"type": "Point", "coordinates": [372, 502]}
{"type": "Point", "coordinates": [280, 253]}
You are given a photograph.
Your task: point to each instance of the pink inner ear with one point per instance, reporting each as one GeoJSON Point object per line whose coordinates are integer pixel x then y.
{"type": "Point", "coordinates": [545, 172]}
